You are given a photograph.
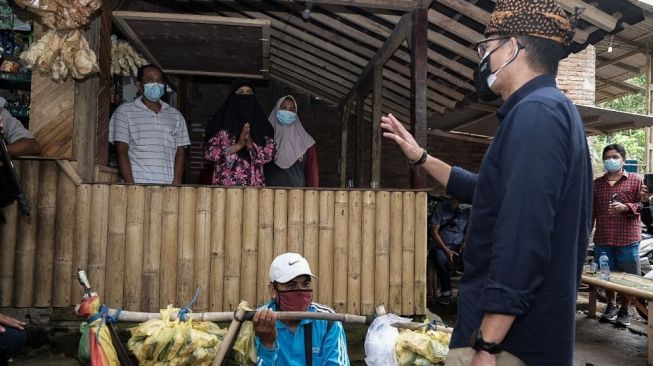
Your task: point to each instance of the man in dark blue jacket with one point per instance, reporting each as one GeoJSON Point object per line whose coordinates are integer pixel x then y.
{"type": "Point", "coordinates": [532, 198]}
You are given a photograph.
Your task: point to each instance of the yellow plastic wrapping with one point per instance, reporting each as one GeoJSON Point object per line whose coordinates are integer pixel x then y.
{"type": "Point", "coordinates": [421, 348]}
{"type": "Point", "coordinates": [245, 346]}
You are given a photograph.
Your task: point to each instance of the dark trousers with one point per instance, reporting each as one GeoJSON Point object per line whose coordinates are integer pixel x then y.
{"type": "Point", "coordinates": [443, 267]}
{"type": "Point", "coordinates": [12, 341]}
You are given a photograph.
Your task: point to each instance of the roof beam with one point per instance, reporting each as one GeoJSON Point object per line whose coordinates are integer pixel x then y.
{"type": "Point", "coordinates": [460, 136]}
{"type": "Point", "coordinates": [611, 61]}
{"type": "Point", "coordinates": [404, 5]}
{"type": "Point", "coordinates": [621, 85]}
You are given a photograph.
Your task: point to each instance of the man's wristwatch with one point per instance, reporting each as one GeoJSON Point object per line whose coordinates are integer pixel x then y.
{"type": "Point", "coordinates": [479, 344]}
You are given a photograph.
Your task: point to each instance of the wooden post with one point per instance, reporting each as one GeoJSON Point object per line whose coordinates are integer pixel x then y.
{"type": "Point", "coordinates": [26, 243]}
{"type": "Point", "coordinates": [218, 222]}
{"type": "Point", "coordinates": [396, 252]}
{"type": "Point", "coordinates": [344, 130]}
{"type": "Point", "coordinates": [133, 266]}
{"type": "Point", "coordinates": [113, 294]}
{"type": "Point", "coordinates": [312, 234]}
{"type": "Point", "coordinates": [327, 212]}
{"type": "Point", "coordinates": [591, 309]}
{"type": "Point", "coordinates": [420, 232]}
{"type": "Point", "coordinates": [65, 236]}
{"type": "Point", "coordinates": [649, 109]}
{"type": "Point", "coordinates": [152, 251]}
{"type": "Point", "coordinates": [280, 222]}
{"type": "Point", "coordinates": [354, 250]}
{"type": "Point", "coordinates": [47, 209]}
{"type": "Point", "coordinates": [233, 245]}
{"type": "Point", "coordinates": [248, 270]}
{"type": "Point", "coordinates": [360, 134]}
{"type": "Point", "coordinates": [186, 246]}
{"type": "Point", "coordinates": [340, 252]}
{"type": "Point", "coordinates": [418, 86]}
{"type": "Point", "coordinates": [382, 249]}
{"type": "Point", "coordinates": [97, 244]}
{"type": "Point", "coordinates": [265, 243]}
{"type": "Point", "coordinates": [169, 222]}
{"type": "Point", "coordinates": [82, 232]}
{"type": "Point", "coordinates": [203, 218]}
{"type": "Point", "coordinates": [649, 332]}
{"type": "Point", "coordinates": [8, 252]}
{"type": "Point", "coordinates": [367, 254]}
{"type": "Point", "coordinates": [377, 107]}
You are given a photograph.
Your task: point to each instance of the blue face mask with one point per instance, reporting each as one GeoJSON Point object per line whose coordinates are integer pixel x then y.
{"type": "Point", "coordinates": [612, 165]}
{"type": "Point", "coordinates": [286, 117]}
{"type": "Point", "coordinates": [153, 91]}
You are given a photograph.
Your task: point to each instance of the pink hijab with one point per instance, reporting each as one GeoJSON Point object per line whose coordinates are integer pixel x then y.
{"type": "Point", "coordinates": [292, 140]}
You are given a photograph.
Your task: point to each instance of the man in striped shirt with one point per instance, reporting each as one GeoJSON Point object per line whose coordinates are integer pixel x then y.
{"type": "Point", "coordinates": [150, 135]}
{"type": "Point", "coordinates": [618, 231]}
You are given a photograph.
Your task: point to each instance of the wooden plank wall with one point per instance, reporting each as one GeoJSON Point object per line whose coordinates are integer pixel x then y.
{"type": "Point", "coordinates": [146, 246]}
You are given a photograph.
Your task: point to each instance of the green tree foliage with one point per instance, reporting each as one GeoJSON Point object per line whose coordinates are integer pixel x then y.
{"type": "Point", "coordinates": [632, 140]}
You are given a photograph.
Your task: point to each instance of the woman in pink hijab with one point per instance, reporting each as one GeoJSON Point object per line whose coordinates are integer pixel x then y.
{"type": "Point", "coordinates": [296, 161]}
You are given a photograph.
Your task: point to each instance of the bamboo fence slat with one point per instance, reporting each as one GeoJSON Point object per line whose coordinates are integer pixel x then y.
{"type": "Point", "coordinates": [265, 243]}
{"type": "Point", "coordinates": [367, 254]}
{"type": "Point", "coordinates": [134, 247]}
{"type": "Point", "coordinates": [152, 252]}
{"type": "Point", "coordinates": [203, 215]}
{"type": "Point", "coordinates": [280, 222]}
{"type": "Point", "coordinates": [63, 250]}
{"type": "Point", "coordinates": [327, 212]}
{"type": "Point", "coordinates": [8, 237]}
{"type": "Point", "coordinates": [115, 278]}
{"type": "Point", "coordinates": [26, 243]}
{"type": "Point", "coordinates": [99, 225]}
{"type": "Point", "coordinates": [340, 252]}
{"type": "Point", "coordinates": [82, 232]}
{"type": "Point", "coordinates": [295, 221]}
{"type": "Point", "coordinates": [312, 234]}
{"type": "Point", "coordinates": [355, 247]}
{"type": "Point", "coordinates": [145, 240]}
{"type": "Point", "coordinates": [396, 253]}
{"type": "Point", "coordinates": [420, 231]}
{"type": "Point", "coordinates": [408, 263]}
{"type": "Point", "coordinates": [46, 232]}
{"type": "Point", "coordinates": [233, 245]}
{"type": "Point", "coordinates": [186, 246]}
{"type": "Point", "coordinates": [169, 222]}
{"type": "Point", "coordinates": [382, 250]}
{"type": "Point", "coordinates": [216, 291]}
{"type": "Point", "coordinates": [248, 272]}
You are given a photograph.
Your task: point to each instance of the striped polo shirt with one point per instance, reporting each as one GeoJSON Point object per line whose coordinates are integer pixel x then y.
{"type": "Point", "coordinates": [153, 139]}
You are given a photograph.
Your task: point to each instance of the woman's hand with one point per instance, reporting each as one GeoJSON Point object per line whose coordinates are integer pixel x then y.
{"type": "Point", "coordinates": [395, 130]}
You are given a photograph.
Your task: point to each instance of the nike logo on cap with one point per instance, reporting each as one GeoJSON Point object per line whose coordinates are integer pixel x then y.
{"type": "Point", "coordinates": [291, 263]}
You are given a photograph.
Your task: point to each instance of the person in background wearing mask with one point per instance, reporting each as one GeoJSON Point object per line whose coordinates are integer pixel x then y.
{"type": "Point", "coordinates": [617, 207]}
{"type": "Point", "coordinates": [294, 342]}
{"type": "Point", "coordinates": [150, 135]}
{"type": "Point", "coordinates": [240, 140]}
{"type": "Point", "coordinates": [296, 161]}
{"type": "Point", "coordinates": [532, 199]}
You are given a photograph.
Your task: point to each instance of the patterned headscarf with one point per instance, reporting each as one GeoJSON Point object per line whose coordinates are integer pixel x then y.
{"type": "Point", "coordinates": [535, 18]}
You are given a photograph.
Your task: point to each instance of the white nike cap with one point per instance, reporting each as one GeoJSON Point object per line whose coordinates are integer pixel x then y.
{"type": "Point", "coordinates": [288, 266]}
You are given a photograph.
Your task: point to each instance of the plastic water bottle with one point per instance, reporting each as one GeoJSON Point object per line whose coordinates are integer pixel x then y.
{"type": "Point", "coordinates": [604, 267]}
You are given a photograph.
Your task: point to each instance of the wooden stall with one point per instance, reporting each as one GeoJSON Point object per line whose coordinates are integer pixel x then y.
{"type": "Point", "coordinates": [148, 246]}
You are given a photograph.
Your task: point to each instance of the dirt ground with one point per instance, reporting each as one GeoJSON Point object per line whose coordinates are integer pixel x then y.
{"type": "Point", "coordinates": [597, 344]}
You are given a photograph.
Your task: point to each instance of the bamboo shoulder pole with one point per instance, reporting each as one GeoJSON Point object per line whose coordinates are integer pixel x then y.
{"type": "Point", "coordinates": [367, 254]}
{"type": "Point", "coordinates": [26, 243]}
{"type": "Point", "coordinates": [186, 246]}
{"type": "Point", "coordinates": [8, 237]}
{"type": "Point", "coordinates": [97, 251]}
{"type": "Point", "coordinates": [230, 336]}
{"type": "Point", "coordinates": [420, 251]}
{"type": "Point", "coordinates": [133, 264]}
{"type": "Point", "coordinates": [312, 234]}
{"type": "Point", "coordinates": [152, 251]}
{"type": "Point", "coordinates": [382, 249]}
{"type": "Point", "coordinates": [396, 251]}
{"type": "Point", "coordinates": [82, 232]}
{"type": "Point", "coordinates": [408, 257]}
{"type": "Point", "coordinates": [354, 238]}
{"type": "Point", "coordinates": [295, 221]}
{"type": "Point", "coordinates": [218, 222]}
{"type": "Point", "coordinates": [46, 233]}
{"type": "Point", "coordinates": [65, 236]}
{"type": "Point", "coordinates": [113, 294]}
{"type": "Point", "coordinates": [233, 248]}
{"type": "Point", "coordinates": [327, 215]}
{"type": "Point", "coordinates": [248, 270]}
{"type": "Point", "coordinates": [203, 216]}
{"type": "Point", "coordinates": [340, 251]}
{"type": "Point", "coordinates": [169, 224]}
{"type": "Point", "coordinates": [265, 243]}
{"type": "Point", "coordinates": [280, 222]}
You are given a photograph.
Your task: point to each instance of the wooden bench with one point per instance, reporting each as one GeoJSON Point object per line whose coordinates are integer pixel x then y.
{"type": "Point", "coordinates": [629, 285]}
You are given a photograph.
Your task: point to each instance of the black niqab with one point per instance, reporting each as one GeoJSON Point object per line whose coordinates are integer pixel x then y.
{"type": "Point", "coordinates": [237, 110]}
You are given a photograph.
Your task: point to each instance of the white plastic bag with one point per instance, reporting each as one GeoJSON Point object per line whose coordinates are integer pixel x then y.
{"type": "Point", "coordinates": [381, 340]}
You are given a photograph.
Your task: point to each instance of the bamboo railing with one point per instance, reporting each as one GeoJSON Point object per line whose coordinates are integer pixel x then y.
{"type": "Point", "coordinates": [148, 246]}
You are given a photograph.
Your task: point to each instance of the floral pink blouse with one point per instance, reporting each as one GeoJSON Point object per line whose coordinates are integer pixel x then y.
{"type": "Point", "coordinates": [231, 169]}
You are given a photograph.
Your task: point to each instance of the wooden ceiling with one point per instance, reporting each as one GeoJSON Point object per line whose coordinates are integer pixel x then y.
{"type": "Point", "coordinates": [325, 53]}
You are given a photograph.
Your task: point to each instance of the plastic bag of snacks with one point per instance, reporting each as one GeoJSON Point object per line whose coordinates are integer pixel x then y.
{"type": "Point", "coordinates": [62, 14]}
{"type": "Point", "coordinates": [175, 342]}
{"type": "Point", "coordinates": [422, 347]}
{"type": "Point", "coordinates": [381, 340]}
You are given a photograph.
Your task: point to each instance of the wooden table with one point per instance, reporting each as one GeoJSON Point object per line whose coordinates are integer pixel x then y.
{"type": "Point", "coordinates": [629, 285]}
